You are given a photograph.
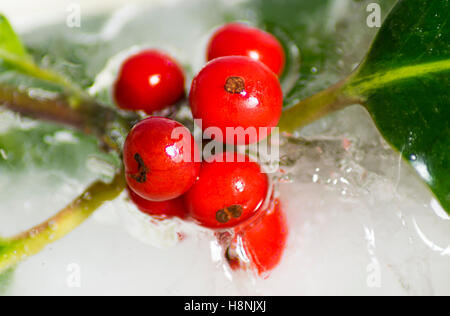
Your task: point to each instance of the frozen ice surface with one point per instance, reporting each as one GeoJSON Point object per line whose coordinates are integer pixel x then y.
{"type": "Point", "coordinates": [360, 220]}
{"type": "Point", "coordinates": [360, 223]}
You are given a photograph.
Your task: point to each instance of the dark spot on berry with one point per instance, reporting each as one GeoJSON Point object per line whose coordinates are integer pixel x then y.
{"type": "Point", "coordinates": [236, 210]}
{"type": "Point", "coordinates": [222, 216]}
{"type": "Point", "coordinates": [141, 176]}
{"type": "Point", "coordinates": [235, 85]}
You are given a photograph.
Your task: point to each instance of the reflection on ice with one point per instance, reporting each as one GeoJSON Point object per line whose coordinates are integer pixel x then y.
{"type": "Point", "coordinates": [422, 169]}
{"type": "Point", "coordinates": [429, 243]}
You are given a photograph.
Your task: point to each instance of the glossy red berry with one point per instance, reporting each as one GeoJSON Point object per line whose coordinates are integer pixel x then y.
{"type": "Point", "coordinates": [149, 81]}
{"type": "Point", "coordinates": [159, 210]}
{"type": "Point", "coordinates": [237, 92]}
{"type": "Point", "coordinates": [237, 39]}
{"type": "Point", "coordinates": [161, 159]}
{"type": "Point", "coordinates": [263, 241]}
{"type": "Point", "coordinates": [227, 192]}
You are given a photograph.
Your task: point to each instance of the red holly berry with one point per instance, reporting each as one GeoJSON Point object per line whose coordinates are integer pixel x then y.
{"type": "Point", "coordinates": [159, 210]}
{"type": "Point", "coordinates": [228, 192]}
{"type": "Point", "coordinates": [237, 92]}
{"type": "Point", "coordinates": [149, 81]}
{"type": "Point", "coordinates": [237, 39]}
{"type": "Point", "coordinates": [161, 159]}
{"type": "Point", "coordinates": [263, 241]}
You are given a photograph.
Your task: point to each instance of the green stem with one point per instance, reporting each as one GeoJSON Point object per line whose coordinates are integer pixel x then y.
{"type": "Point", "coordinates": [31, 242]}
{"type": "Point", "coordinates": [74, 107]}
{"type": "Point", "coordinates": [89, 116]}
{"type": "Point", "coordinates": [316, 107]}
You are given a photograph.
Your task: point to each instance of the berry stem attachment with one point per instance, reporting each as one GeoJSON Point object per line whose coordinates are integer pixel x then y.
{"type": "Point", "coordinates": [235, 85]}
{"type": "Point", "coordinates": [15, 249]}
{"type": "Point", "coordinates": [319, 105]}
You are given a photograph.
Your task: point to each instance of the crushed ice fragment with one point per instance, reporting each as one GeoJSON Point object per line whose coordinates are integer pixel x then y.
{"type": "Point", "coordinates": [315, 178]}
{"type": "Point", "coordinates": [61, 137]}
{"type": "Point", "coordinates": [100, 166]}
{"type": "Point", "coordinates": [216, 251]}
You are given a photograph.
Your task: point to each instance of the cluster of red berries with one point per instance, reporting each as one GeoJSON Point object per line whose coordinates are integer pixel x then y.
{"type": "Point", "coordinates": [238, 88]}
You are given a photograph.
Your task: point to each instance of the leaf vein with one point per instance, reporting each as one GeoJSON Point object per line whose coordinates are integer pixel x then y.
{"type": "Point", "coordinates": [362, 86]}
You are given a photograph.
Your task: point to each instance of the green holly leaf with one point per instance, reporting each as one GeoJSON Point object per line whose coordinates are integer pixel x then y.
{"type": "Point", "coordinates": [13, 54]}
{"type": "Point", "coordinates": [330, 40]}
{"type": "Point", "coordinates": [404, 84]}
{"type": "Point", "coordinates": [49, 147]}
{"type": "Point", "coordinates": [15, 59]}
{"type": "Point", "coordinates": [11, 46]}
